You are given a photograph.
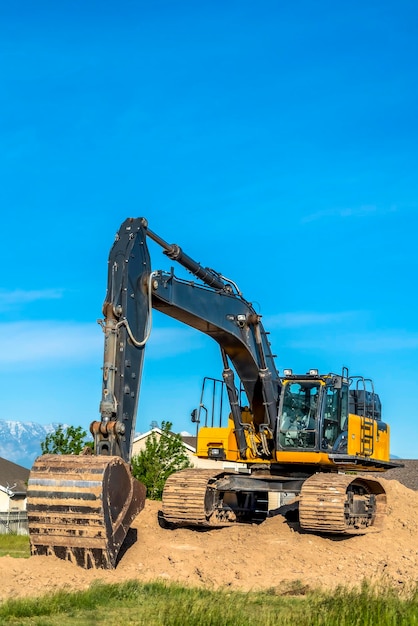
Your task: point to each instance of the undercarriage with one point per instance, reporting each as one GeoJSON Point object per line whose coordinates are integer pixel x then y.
{"type": "Point", "coordinates": [325, 502]}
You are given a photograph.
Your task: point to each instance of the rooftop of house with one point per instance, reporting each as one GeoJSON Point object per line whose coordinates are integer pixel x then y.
{"type": "Point", "coordinates": [13, 476]}
{"type": "Point", "coordinates": [188, 440]}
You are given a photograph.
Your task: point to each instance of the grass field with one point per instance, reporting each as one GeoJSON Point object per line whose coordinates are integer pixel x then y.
{"type": "Point", "coordinates": [158, 604]}
{"type": "Point", "coordinates": [14, 545]}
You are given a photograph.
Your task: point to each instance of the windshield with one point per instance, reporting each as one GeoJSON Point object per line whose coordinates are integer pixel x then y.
{"type": "Point", "coordinates": [313, 416]}
{"type": "Point", "coordinates": [299, 414]}
{"type": "Point", "coordinates": [335, 419]}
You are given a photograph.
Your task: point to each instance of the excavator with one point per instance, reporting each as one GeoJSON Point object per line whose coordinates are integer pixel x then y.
{"type": "Point", "coordinates": [294, 442]}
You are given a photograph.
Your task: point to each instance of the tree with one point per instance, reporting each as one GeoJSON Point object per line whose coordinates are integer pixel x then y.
{"type": "Point", "coordinates": [161, 457]}
{"type": "Point", "coordinates": [68, 440]}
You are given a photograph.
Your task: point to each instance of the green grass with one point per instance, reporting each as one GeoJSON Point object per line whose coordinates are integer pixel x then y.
{"type": "Point", "coordinates": [14, 545]}
{"type": "Point", "coordinates": [158, 604]}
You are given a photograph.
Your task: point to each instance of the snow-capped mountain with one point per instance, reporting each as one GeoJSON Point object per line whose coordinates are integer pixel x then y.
{"type": "Point", "coordinates": [20, 442]}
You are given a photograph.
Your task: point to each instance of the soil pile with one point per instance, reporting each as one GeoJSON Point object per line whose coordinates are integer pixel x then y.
{"type": "Point", "coordinates": [407, 474]}
{"type": "Point", "coordinates": [274, 554]}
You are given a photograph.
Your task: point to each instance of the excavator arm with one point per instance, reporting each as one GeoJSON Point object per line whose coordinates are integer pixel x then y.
{"type": "Point", "coordinates": [216, 308]}
{"type": "Point", "coordinates": [80, 507]}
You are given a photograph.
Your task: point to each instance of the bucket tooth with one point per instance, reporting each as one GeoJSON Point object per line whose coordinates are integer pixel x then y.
{"type": "Point", "coordinates": [81, 507]}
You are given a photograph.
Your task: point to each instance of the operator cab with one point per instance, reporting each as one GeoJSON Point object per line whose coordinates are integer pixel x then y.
{"type": "Point", "coordinates": [313, 411]}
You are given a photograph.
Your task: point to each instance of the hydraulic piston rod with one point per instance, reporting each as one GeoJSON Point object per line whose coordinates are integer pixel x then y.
{"type": "Point", "coordinates": [174, 252]}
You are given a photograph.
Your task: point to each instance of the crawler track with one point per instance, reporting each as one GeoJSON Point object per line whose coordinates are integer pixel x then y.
{"type": "Point", "coordinates": [187, 499]}
{"type": "Point", "coordinates": [341, 504]}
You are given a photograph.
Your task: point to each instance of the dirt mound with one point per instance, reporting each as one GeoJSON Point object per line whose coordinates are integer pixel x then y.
{"type": "Point", "coordinates": [271, 555]}
{"type": "Point", "coordinates": [407, 475]}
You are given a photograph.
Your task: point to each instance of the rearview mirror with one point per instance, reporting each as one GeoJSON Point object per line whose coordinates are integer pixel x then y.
{"type": "Point", "coordinates": [195, 416]}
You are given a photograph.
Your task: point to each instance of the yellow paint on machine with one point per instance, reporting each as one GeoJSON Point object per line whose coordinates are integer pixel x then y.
{"type": "Point", "coordinates": [366, 438]}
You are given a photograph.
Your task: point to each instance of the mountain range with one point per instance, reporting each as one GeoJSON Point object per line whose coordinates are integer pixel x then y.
{"type": "Point", "coordinates": [20, 442]}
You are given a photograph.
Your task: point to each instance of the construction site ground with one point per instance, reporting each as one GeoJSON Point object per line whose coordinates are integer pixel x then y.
{"type": "Point", "coordinates": [273, 555]}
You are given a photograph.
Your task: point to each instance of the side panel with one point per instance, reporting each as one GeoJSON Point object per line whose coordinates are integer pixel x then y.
{"type": "Point", "coordinates": [217, 439]}
{"type": "Point", "coordinates": [354, 435]}
{"type": "Point", "coordinates": [368, 438]}
{"type": "Point", "coordinates": [382, 447]}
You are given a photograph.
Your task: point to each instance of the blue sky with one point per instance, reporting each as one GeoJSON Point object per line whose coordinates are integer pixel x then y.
{"type": "Point", "coordinates": [275, 142]}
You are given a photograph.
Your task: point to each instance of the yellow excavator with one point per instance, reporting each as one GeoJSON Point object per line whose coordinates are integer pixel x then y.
{"type": "Point", "coordinates": [293, 442]}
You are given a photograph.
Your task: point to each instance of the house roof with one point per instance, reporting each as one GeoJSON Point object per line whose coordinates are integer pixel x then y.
{"type": "Point", "coordinates": [13, 477]}
{"type": "Point", "coordinates": [189, 442]}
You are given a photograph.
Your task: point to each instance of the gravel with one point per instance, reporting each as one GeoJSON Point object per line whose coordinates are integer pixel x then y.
{"type": "Point", "coordinates": [407, 475]}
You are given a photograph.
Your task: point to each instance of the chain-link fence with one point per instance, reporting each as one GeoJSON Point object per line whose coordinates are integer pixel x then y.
{"type": "Point", "coordinates": [15, 522]}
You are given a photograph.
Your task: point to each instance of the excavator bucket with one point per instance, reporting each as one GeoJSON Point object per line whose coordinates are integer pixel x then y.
{"type": "Point", "coordinates": [80, 507]}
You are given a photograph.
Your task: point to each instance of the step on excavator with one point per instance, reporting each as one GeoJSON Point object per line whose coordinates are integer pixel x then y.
{"type": "Point", "coordinates": [285, 443]}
